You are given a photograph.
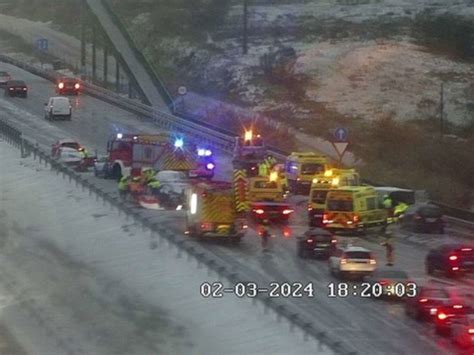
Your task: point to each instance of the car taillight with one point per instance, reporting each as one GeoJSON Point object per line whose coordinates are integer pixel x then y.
{"type": "Point", "coordinates": [24, 89]}
{"type": "Point", "coordinates": [355, 218]}
{"type": "Point", "coordinates": [333, 241]}
{"type": "Point", "coordinates": [325, 218]}
{"type": "Point", "coordinates": [310, 208]}
{"type": "Point", "coordinates": [77, 86]}
{"type": "Point", "coordinates": [455, 268]}
{"type": "Point", "coordinates": [206, 226]}
{"type": "Point", "coordinates": [471, 331]}
{"type": "Point", "coordinates": [383, 282]}
{"type": "Point", "coordinates": [458, 306]}
{"type": "Point", "coordinates": [61, 85]}
{"type": "Point", "coordinates": [259, 211]}
{"type": "Point", "coordinates": [287, 211]}
{"type": "Point", "coordinates": [442, 316]}
{"type": "Point", "coordinates": [433, 311]}
{"type": "Point", "coordinates": [423, 300]}
{"type": "Point", "coordinates": [343, 261]}
{"type": "Point", "coordinates": [372, 262]}
{"type": "Point", "coordinates": [309, 241]}
{"type": "Point", "coordinates": [453, 257]}
{"type": "Point", "coordinates": [466, 249]}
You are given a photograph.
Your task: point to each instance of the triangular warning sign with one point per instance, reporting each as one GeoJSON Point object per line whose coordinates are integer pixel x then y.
{"type": "Point", "coordinates": [340, 148]}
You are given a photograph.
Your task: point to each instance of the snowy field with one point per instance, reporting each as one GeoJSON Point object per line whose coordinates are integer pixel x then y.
{"type": "Point", "coordinates": [81, 280]}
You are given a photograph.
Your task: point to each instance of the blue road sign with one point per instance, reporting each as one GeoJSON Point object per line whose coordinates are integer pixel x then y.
{"type": "Point", "coordinates": [341, 134]}
{"type": "Point", "coordinates": [42, 44]}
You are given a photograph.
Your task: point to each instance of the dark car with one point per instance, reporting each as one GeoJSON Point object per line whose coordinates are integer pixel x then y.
{"type": "Point", "coordinates": [428, 299]}
{"type": "Point", "coordinates": [16, 88]}
{"type": "Point", "coordinates": [271, 211]}
{"type": "Point", "coordinates": [4, 78]}
{"type": "Point", "coordinates": [316, 242]}
{"type": "Point", "coordinates": [451, 259]}
{"type": "Point", "coordinates": [461, 304]}
{"type": "Point", "coordinates": [423, 218]}
{"type": "Point", "coordinates": [68, 86]}
{"type": "Point", "coordinates": [392, 283]}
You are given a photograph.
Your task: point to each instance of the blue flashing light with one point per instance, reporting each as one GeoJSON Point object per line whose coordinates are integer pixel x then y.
{"type": "Point", "coordinates": [178, 143]}
{"type": "Point", "coordinates": [210, 166]}
{"type": "Point", "coordinates": [204, 152]}
{"type": "Point", "coordinates": [208, 152]}
{"type": "Point", "coordinates": [201, 152]}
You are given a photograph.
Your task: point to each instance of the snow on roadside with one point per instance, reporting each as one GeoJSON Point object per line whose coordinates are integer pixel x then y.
{"type": "Point", "coordinates": [116, 252]}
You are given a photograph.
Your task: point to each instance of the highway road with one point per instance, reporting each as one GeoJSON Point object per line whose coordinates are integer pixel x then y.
{"type": "Point", "coordinates": [363, 325]}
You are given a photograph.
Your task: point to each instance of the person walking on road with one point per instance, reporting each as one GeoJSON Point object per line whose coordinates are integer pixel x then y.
{"type": "Point", "coordinates": [389, 249]}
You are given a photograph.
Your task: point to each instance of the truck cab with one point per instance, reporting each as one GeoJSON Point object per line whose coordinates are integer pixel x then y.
{"type": "Point", "coordinates": [267, 199]}
{"type": "Point", "coordinates": [249, 152]}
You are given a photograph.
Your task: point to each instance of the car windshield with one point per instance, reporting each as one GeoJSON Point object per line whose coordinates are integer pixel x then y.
{"type": "Point", "coordinates": [430, 211]}
{"type": "Point", "coordinates": [392, 274]}
{"type": "Point", "coordinates": [357, 255]}
{"type": "Point", "coordinates": [72, 145]}
{"type": "Point", "coordinates": [312, 169]}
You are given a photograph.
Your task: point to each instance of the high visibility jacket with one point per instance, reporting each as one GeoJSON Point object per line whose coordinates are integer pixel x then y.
{"type": "Point", "coordinates": [400, 208]}
{"type": "Point", "coordinates": [123, 183]}
{"type": "Point", "coordinates": [387, 203]}
{"type": "Point", "coordinates": [154, 184]}
{"type": "Point", "coordinates": [263, 169]}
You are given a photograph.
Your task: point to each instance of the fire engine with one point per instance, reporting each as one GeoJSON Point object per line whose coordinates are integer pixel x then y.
{"type": "Point", "coordinates": [205, 164]}
{"type": "Point", "coordinates": [249, 152]}
{"type": "Point", "coordinates": [128, 154]}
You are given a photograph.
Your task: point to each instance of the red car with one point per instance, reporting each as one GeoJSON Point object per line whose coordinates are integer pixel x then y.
{"type": "Point", "coordinates": [271, 211]}
{"type": "Point", "coordinates": [460, 303]}
{"type": "Point", "coordinates": [68, 86]}
{"type": "Point", "coordinates": [463, 331]}
{"type": "Point", "coordinates": [428, 299]}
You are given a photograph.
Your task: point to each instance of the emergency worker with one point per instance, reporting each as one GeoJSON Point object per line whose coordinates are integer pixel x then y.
{"type": "Point", "coordinates": [387, 204]}
{"type": "Point", "coordinates": [400, 209]}
{"type": "Point", "coordinates": [263, 169]}
{"type": "Point", "coordinates": [389, 248]}
{"type": "Point", "coordinates": [123, 186]}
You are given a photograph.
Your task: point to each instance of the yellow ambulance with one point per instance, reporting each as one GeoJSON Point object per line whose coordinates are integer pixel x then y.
{"type": "Point", "coordinates": [353, 208]}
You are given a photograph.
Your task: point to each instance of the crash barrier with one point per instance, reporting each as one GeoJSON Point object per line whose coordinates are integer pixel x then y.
{"type": "Point", "coordinates": [138, 54]}
{"type": "Point", "coordinates": [192, 127]}
{"type": "Point", "coordinates": [226, 272]}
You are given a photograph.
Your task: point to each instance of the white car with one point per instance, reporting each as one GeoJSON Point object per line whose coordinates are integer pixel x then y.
{"type": "Point", "coordinates": [69, 156]}
{"type": "Point", "coordinates": [173, 181]}
{"type": "Point", "coordinates": [4, 78]}
{"type": "Point", "coordinates": [58, 107]}
{"type": "Point", "coordinates": [352, 261]}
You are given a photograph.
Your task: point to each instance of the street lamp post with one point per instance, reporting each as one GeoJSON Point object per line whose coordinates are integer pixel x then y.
{"type": "Point", "coordinates": [244, 44]}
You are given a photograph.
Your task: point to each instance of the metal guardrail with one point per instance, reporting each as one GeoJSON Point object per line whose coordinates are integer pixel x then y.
{"type": "Point", "coordinates": [191, 127]}
{"type": "Point", "coordinates": [14, 137]}
{"type": "Point", "coordinates": [139, 55]}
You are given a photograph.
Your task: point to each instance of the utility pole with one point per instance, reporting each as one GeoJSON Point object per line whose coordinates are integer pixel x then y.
{"type": "Point", "coordinates": [441, 111]}
{"type": "Point", "coordinates": [83, 39]}
{"type": "Point", "coordinates": [244, 44]}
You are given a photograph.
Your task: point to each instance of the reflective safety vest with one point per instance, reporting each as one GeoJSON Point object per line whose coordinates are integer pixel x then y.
{"type": "Point", "coordinates": [387, 203]}
{"type": "Point", "coordinates": [154, 184]}
{"type": "Point", "coordinates": [123, 183]}
{"type": "Point", "coordinates": [262, 169]}
{"type": "Point", "coordinates": [400, 208]}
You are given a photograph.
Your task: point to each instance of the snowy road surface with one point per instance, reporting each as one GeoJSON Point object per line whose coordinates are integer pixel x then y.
{"type": "Point", "coordinates": [369, 327]}
{"type": "Point", "coordinates": [81, 280]}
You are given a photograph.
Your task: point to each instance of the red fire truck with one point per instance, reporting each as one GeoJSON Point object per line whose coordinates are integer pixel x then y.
{"type": "Point", "coordinates": [128, 154]}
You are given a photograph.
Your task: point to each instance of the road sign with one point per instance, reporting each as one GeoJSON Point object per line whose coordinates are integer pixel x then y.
{"type": "Point", "coordinates": [340, 148]}
{"type": "Point", "coordinates": [341, 134]}
{"type": "Point", "coordinates": [42, 44]}
{"type": "Point", "coordinates": [182, 90]}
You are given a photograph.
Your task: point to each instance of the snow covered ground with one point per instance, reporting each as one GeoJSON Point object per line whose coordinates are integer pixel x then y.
{"type": "Point", "coordinates": [79, 279]}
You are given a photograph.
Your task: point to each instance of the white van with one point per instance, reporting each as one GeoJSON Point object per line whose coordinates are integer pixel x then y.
{"type": "Point", "coordinates": [57, 107]}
